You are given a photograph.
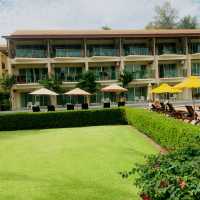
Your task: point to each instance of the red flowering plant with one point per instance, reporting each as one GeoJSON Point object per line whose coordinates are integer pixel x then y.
{"type": "Point", "coordinates": [172, 176]}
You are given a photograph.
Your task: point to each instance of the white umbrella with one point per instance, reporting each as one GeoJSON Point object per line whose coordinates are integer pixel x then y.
{"type": "Point", "coordinates": [77, 92]}
{"type": "Point", "coordinates": [43, 92]}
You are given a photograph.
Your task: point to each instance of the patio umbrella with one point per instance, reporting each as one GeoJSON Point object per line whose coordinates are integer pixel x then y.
{"type": "Point", "coordinates": [114, 88]}
{"type": "Point", "coordinates": [43, 92]}
{"type": "Point", "coordinates": [165, 88]}
{"type": "Point", "coordinates": [78, 92]}
{"type": "Point", "coordinates": [191, 82]}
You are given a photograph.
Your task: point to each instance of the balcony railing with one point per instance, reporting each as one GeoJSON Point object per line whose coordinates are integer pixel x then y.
{"type": "Point", "coordinates": [170, 51]}
{"type": "Point", "coordinates": [102, 52]}
{"type": "Point", "coordinates": [143, 74]}
{"type": "Point", "coordinates": [136, 51]}
{"type": "Point", "coordinates": [31, 53]}
{"type": "Point", "coordinates": [106, 76]}
{"type": "Point", "coordinates": [68, 53]}
{"type": "Point", "coordinates": [68, 77]}
{"type": "Point", "coordinates": [173, 73]}
{"type": "Point", "coordinates": [22, 79]}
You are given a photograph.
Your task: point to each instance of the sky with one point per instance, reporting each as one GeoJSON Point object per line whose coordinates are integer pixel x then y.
{"type": "Point", "coordinates": [84, 14]}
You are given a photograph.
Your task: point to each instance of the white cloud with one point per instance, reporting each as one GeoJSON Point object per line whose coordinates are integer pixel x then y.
{"type": "Point", "coordinates": [80, 14]}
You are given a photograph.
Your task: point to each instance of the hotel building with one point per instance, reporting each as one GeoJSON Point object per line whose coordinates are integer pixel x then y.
{"type": "Point", "coordinates": [153, 56]}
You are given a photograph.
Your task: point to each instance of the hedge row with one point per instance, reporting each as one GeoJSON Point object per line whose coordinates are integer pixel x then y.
{"type": "Point", "coordinates": [20, 121]}
{"type": "Point", "coordinates": [168, 132]}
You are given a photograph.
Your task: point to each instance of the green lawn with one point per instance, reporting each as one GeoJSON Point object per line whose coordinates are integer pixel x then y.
{"type": "Point", "coordinates": [71, 163]}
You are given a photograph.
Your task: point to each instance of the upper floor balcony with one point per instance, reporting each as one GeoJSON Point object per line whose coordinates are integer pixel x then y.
{"type": "Point", "coordinates": [195, 71]}
{"type": "Point", "coordinates": [171, 71]}
{"type": "Point", "coordinates": [140, 71]}
{"type": "Point", "coordinates": [67, 51]}
{"type": "Point", "coordinates": [105, 50]}
{"type": "Point", "coordinates": [31, 75]}
{"type": "Point", "coordinates": [105, 73]}
{"type": "Point", "coordinates": [194, 47]}
{"type": "Point", "coordinates": [31, 52]}
{"type": "Point", "coordinates": [169, 48]}
{"type": "Point", "coordinates": [138, 49]}
{"type": "Point", "coordinates": [68, 74]}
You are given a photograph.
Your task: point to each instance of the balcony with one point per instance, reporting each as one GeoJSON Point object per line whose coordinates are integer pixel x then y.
{"type": "Point", "coordinates": [68, 74]}
{"type": "Point", "coordinates": [144, 74]}
{"type": "Point", "coordinates": [106, 75]}
{"type": "Point", "coordinates": [68, 53]}
{"type": "Point", "coordinates": [23, 79]}
{"type": "Point", "coordinates": [169, 49]}
{"type": "Point", "coordinates": [102, 51]}
{"type": "Point", "coordinates": [31, 53]}
{"type": "Point", "coordinates": [171, 72]}
{"type": "Point", "coordinates": [131, 50]}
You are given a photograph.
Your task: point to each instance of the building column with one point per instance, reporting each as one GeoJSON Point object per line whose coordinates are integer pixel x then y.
{"type": "Point", "coordinates": [9, 66]}
{"type": "Point", "coordinates": [49, 69]}
{"type": "Point", "coordinates": [121, 64]}
{"type": "Point", "coordinates": [86, 66]}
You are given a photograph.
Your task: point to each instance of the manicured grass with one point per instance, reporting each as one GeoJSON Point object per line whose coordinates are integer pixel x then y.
{"type": "Point", "coordinates": [71, 164]}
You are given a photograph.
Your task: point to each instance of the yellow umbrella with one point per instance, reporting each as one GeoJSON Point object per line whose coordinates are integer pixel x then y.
{"type": "Point", "coordinates": [190, 82]}
{"type": "Point", "coordinates": [165, 88]}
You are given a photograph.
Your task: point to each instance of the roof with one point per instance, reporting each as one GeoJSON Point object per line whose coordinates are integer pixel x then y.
{"type": "Point", "coordinates": [41, 34]}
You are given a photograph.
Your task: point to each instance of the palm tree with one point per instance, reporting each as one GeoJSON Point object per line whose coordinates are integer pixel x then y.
{"type": "Point", "coordinates": [126, 77]}
{"type": "Point", "coordinates": [88, 83]}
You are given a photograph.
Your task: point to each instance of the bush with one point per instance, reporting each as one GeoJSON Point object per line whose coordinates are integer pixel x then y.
{"type": "Point", "coordinates": [173, 176]}
{"type": "Point", "coordinates": [19, 121]}
{"type": "Point", "coordinates": [168, 132]}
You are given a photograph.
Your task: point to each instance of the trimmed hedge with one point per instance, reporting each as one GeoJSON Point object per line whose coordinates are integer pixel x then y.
{"type": "Point", "coordinates": [22, 121]}
{"type": "Point", "coordinates": [168, 132]}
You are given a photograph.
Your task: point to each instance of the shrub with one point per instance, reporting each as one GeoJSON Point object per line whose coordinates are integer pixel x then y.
{"type": "Point", "coordinates": [168, 132]}
{"type": "Point", "coordinates": [173, 176]}
{"type": "Point", "coordinates": [19, 121]}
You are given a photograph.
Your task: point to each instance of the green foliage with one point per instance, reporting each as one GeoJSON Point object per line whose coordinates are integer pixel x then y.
{"type": "Point", "coordinates": [52, 84]}
{"type": "Point", "coordinates": [172, 176]}
{"type": "Point", "coordinates": [88, 83]}
{"type": "Point", "coordinates": [106, 27]}
{"type": "Point", "coordinates": [188, 22]}
{"type": "Point", "coordinates": [7, 82]}
{"type": "Point", "coordinates": [22, 121]}
{"type": "Point", "coordinates": [126, 77]}
{"type": "Point", "coordinates": [168, 132]}
{"type": "Point", "coordinates": [165, 17]}
{"type": "Point", "coordinates": [4, 101]}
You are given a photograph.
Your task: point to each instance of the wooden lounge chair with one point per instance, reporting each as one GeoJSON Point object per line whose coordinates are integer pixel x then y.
{"type": "Point", "coordinates": [171, 111]}
{"type": "Point", "coordinates": [154, 108]}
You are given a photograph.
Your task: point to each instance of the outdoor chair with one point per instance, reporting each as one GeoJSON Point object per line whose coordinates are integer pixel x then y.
{"type": "Point", "coordinates": [106, 105]}
{"type": "Point", "coordinates": [154, 108]}
{"type": "Point", "coordinates": [51, 108]}
{"type": "Point", "coordinates": [191, 114]}
{"type": "Point", "coordinates": [70, 107]}
{"type": "Point", "coordinates": [122, 103]}
{"type": "Point", "coordinates": [171, 111]}
{"type": "Point", "coordinates": [84, 106]}
{"type": "Point", "coordinates": [36, 108]}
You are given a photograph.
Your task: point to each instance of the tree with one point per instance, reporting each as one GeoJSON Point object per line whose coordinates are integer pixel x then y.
{"type": "Point", "coordinates": [106, 27]}
{"type": "Point", "coordinates": [7, 83]}
{"type": "Point", "coordinates": [52, 84]}
{"type": "Point", "coordinates": [165, 17]}
{"type": "Point", "coordinates": [88, 83]}
{"type": "Point", "coordinates": [188, 22]}
{"type": "Point", "coordinates": [126, 77]}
